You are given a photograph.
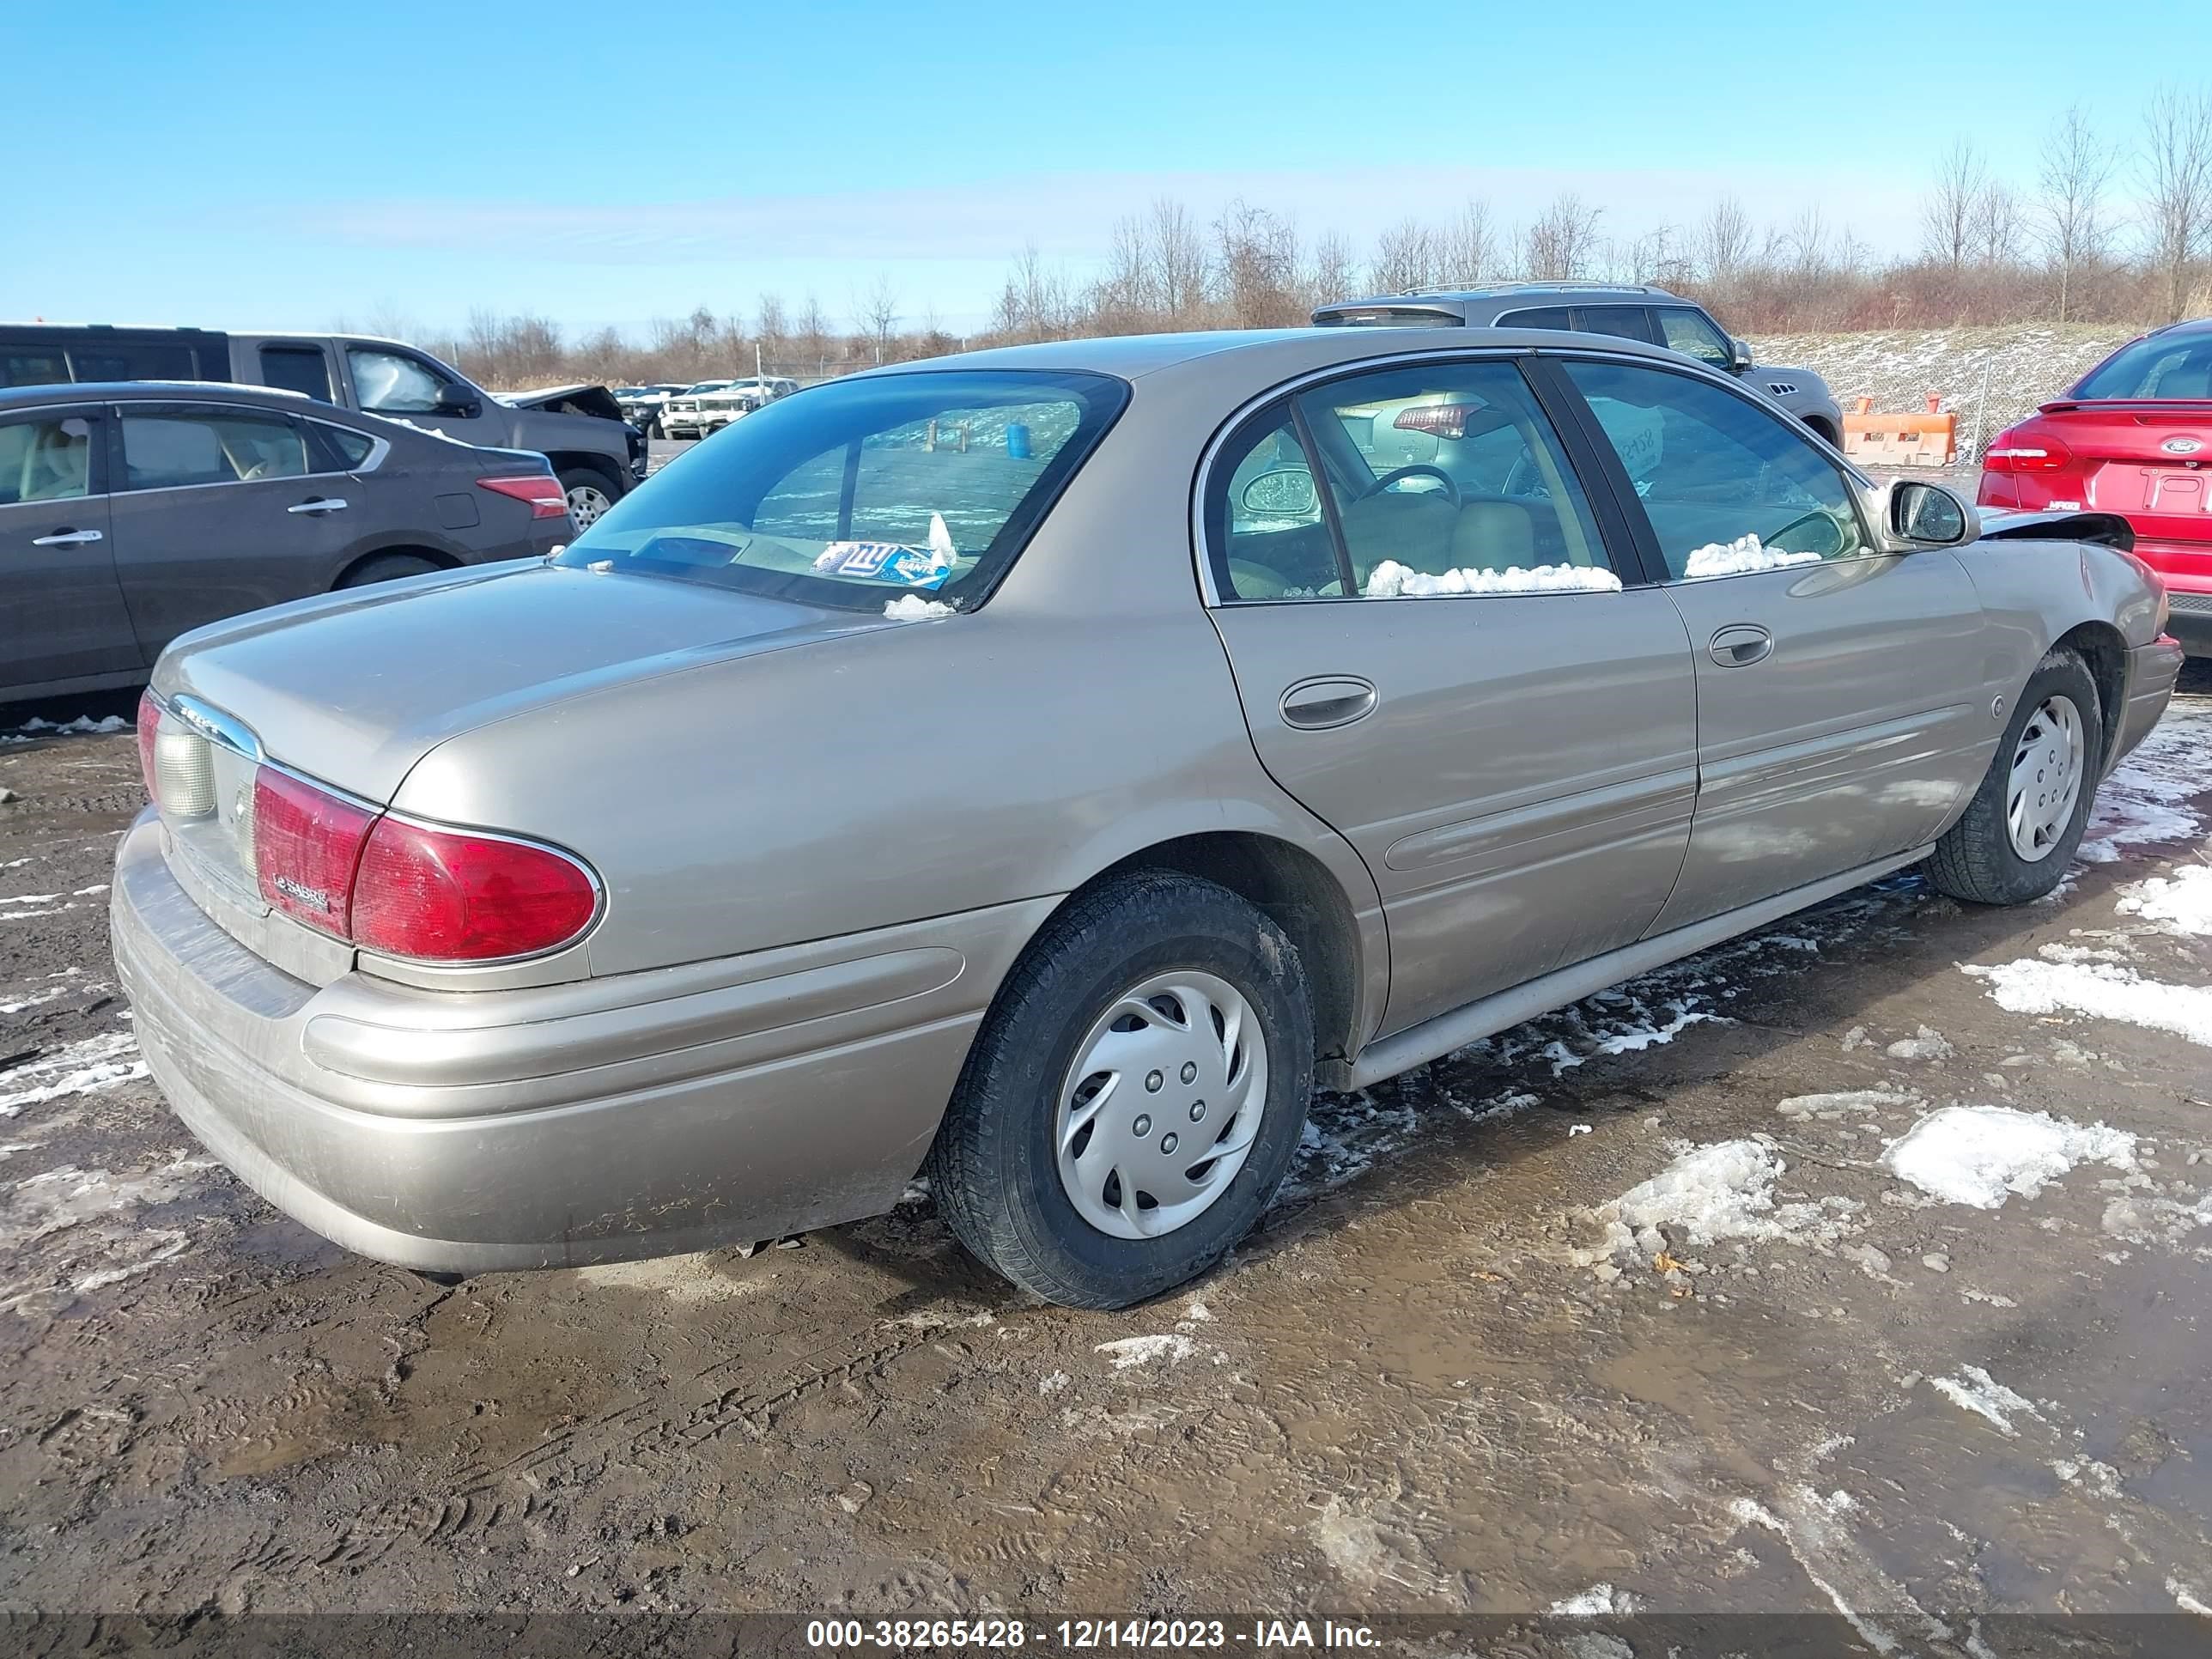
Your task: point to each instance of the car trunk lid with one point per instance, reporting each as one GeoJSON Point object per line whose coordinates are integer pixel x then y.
{"type": "Point", "coordinates": [2150, 460]}
{"type": "Point", "coordinates": [386, 674]}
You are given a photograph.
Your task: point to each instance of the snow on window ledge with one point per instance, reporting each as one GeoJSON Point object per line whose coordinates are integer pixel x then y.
{"type": "Point", "coordinates": [1736, 558]}
{"type": "Point", "coordinates": [912, 607]}
{"type": "Point", "coordinates": [1390, 580]}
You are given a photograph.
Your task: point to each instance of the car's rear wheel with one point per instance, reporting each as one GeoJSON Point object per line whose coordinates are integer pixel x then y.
{"type": "Point", "coordinates": [2020, 832]}
{"type": "Point", "coordinates": [387, 568]}
{"type": "Point", "coordinates": [1134, 1096]}
{"type": "Point", "coordinates": [590, 492]}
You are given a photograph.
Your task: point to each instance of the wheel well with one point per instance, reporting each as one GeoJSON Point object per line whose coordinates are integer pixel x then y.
{"type": "Point", "coordinates": [1824, 427]}
{"type": "Point", "coordinates": [563, 460]}
{"type": "Point", "coordinates": [2099, 645]}
{"type": "Point", "coordinates": [1296, 891]}
{"type": "Point", "coordinates": [442, 561]}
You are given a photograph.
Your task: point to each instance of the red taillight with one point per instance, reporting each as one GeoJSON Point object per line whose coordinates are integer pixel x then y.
{"type": "Point", "coordinates": [1445, 420]}
{"type": "Point", "coordinates": [543, 492]}
{"type": "Point", "coordinates": [149, 724]}
{"type": "Point", "coordinates": [2022, 449]}
{"type": "Point", "coordinates": [447, 895]}
{"type": "Point", "coordinates": [306, 844]}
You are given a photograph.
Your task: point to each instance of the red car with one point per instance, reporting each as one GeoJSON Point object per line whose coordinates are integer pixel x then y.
{"type": "Point", "coordinates": [2134, 437]}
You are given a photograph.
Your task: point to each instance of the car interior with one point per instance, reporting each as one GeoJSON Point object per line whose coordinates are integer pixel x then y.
{"type": "Point", "coordinates": [44, 461]}
{"type": "Point", "coordinates": [164, 452]}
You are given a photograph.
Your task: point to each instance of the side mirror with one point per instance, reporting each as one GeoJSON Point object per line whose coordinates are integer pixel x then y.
{"type": "Point", "coordinates": [1285, 492]}
{"type": "Point", "coordinates": [1930, 514]}
{"type": "Point", "coordinates": [457, 400]}
{"type": "Point", "coordinates": [1738, 355]}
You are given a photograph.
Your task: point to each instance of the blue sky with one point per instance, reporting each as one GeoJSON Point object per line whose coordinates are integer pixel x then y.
{"type": "Point", "coordinates": [295, 164]}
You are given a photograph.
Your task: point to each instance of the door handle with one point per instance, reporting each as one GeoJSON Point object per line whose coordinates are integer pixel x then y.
{"type": "Point", "coordinates": [1739, 644]}
{"type": "Point", "coordinates": [322, 504]}
{"type": "Point", "coordinates": [1315, 705]}
{"type": "Point", "coordinates": [66, 537]}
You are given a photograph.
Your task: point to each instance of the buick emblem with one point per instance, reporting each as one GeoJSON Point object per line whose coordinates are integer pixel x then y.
{"type": "Point", "coordinates": [2182, 445]}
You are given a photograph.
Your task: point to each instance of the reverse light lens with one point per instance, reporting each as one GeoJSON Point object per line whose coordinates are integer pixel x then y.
{"type": "Point", "coordinates": [447, 896]}
{"type": "Point", "coordinates": [2022, 451]}
{"type": "Point", "coordinates": [306, 844]}
{"type": "Point", "coordinates": [149, 727]}
{"type": "Point", "coordinates": [543, 492]}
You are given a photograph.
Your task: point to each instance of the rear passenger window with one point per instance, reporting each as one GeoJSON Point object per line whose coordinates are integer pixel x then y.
{"type": "Point", "coordinates": [297, 368]}
{"type": "Point", "coordinates": [169, 450]}
{"type": "Point", "coordinates": [1559, 317]}
{"type": "Point", "coordinates": [46, 458]}
{"type": "Point", "coordinates": [1630, 322]}
{"type": "Point", "coordinates": [1439, 479]}
{"type": "Point", "coordinates": [34, 368]}
{"type": "Point", "coordinates": [134, 362]}
{"type": "Point", "coordinates": [1728, 488]}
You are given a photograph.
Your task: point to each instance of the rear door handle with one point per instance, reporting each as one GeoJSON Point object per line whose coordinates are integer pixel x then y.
{"type": "Point", "coordinates": [327, 504]}
{"type": "Point", "coordinates": [1739, 644]}
{"type": "Point", "coordinates": [66, 537]}
{"type": "Point", "coordinates": [1315, 705]}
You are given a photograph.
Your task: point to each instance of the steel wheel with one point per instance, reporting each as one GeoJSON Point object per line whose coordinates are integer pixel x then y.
{"type": "Point", "coordinates": [2046, 778]}
{"type": "Point", "coordinates": [585, 503]}
{"type": "Point", "coordinates": [1161, 1105]}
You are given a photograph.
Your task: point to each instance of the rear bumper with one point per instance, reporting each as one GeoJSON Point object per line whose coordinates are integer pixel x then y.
{"type": "Point", "coordinates": [632, 1115]}
{"type": "Point", "coordinates": [2151, 671]}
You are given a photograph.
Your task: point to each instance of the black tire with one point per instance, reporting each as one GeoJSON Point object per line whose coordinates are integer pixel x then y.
{"type": "Point", "coordinates": [582, 484]}
{"type": "Point", "coordinates": [387, 568]}
{"type": "Point", "coordinates": [992, 1168]}
{"type": "Point", "coordinates": [1975, 860]}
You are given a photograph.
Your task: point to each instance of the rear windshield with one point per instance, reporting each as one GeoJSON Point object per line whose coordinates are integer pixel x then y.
{"type": "Point", "coordinates": [2161, 366]}
{"type": "Point", "coordinates": [857, 491]}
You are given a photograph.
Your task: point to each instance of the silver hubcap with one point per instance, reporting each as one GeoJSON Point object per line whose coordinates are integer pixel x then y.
{"type": "Point", "coordinates": [1161, 1104]}
{"type": "Point", "coordinates": [2046, 779]}
{"type": "Point", "coordinates": [586, 503]}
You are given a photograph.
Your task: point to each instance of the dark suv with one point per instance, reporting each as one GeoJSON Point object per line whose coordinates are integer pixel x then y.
{"type": "Point", "coordinates": [1632, 311]}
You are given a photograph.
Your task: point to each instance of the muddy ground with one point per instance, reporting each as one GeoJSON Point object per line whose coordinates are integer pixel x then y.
{"type": "Point", "coordinates": [1436, 1378]}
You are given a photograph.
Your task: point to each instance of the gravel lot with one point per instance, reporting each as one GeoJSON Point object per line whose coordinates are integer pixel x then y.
{"type": "Point", "coordinates": [1473, 1361]}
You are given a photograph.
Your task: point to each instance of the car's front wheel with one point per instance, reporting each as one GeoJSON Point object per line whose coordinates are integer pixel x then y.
{"type": "Point", "coordinates": [1134, 1096]}
{"type": "Point", "coordinates": [2020, 832]}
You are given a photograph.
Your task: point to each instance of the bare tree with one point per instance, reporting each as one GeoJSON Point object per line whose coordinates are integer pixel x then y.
{"type": "Point", "coordinates": [1723, 242]}
{"type": "Point", "coordinates": [813, 340]}
{"type": "Point", "coordinates": [770, 327]}
{"type": "Point", "coordinates": [1946, 213]}
{"type": "Point", "coordinates": [2075, 167]}
{"type": "Point", "coordinates": [1178, 261]}
{"type": "Point", "coordinates": [1035, 304]}
{"type": "Point", "coordinates": [1467, 250]}
{"type": "Point", "coordinates": [1561, 246]}
{"type": "Point", "coordinates": [877, 313]}
{"type": "Point", "coordinates": [1331, 273]}
{"type": "Point", "coordinates": [1995, 227]}
{"type": "Point", "coordinates": [2178, 187]}
{"type": "Point", "coordinates": [1406, 259]}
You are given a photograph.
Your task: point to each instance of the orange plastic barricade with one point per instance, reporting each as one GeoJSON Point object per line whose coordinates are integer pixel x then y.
{"type": "Point", "coordinates": [1920, 440]}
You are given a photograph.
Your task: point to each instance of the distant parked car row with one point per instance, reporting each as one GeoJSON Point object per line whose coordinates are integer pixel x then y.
{"type": "Point", "coordinates": [704, 407]}
{"type": "Point", "coordinates": [133, 512]}
{"type": "Point", "coordinates": [580, 430]}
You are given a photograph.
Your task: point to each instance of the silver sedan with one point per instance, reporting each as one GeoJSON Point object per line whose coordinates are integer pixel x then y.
{"type": "Point", "coordinates": [1040, 768]}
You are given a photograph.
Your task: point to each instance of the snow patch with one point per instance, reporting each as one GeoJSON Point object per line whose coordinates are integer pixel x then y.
{"type": "Point", "coordinates": [1831, 1108]}
{"type": "Point", "coordinates": [2179, 905]}
{"type": "Point", "coordinates": [2151, 797]}
{"type": "Point", "coordinates": [1595, 1602]}
{"type": "Point", "coordinates": [1132, 1352]}
{"type": "Point", "coordinates": [1736, 558]}
{"type": "Point", "coordinates": [81, 723]}
{"type": "Point", "coordinates": [1975, 1390]}
{"type": "Point", "coordinates": [912, 607]}
{"type": "Point", "coordinates": [1390, 580]}
{"type": "Point", "coordinates": [1923, 1044]}
{"type": "Point", "coordinates": [1724, 1190]}
{"type": "Point", "coordinates": [1981, 1155]}
{"type": "Point", "coordinates": [2103, 991]}
{"type": "Point", "coordinates": [96, 1063]}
